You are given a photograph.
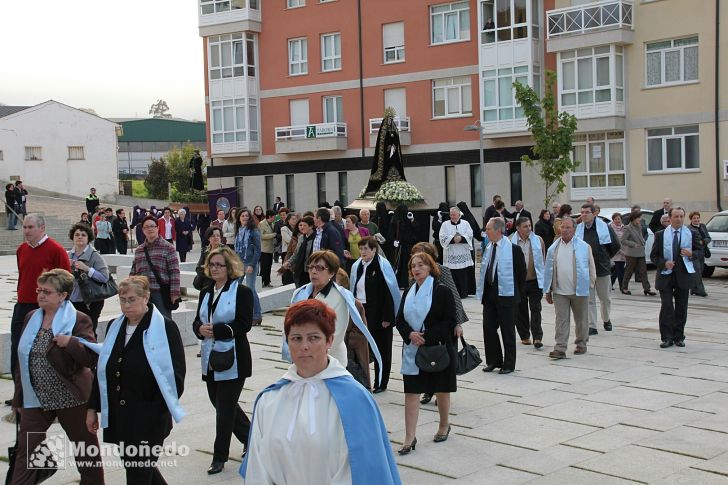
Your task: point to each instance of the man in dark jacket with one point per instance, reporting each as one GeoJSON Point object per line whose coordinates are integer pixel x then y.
{"type": "Point", "coordinates": [605, 244]}
{"type": "Point", "coordinates": [92, 202]}
{"type": "Point", "coordinates": [655, 223]}
{"type": "Point", "coordinates": [327, 236]}
{"type": "Point", "coordinates": [120, 230]}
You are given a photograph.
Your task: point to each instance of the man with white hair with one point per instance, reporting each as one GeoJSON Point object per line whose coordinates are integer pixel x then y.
{"type": "Point", "coordinates": [364, 221]}
{"type": "Point", "coordinates": [456, 238]}
{"type": "Point", "coordinates": [656, 222]}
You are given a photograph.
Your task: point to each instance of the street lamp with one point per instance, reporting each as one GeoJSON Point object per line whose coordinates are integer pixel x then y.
{"type": "Point", "coordinates": [477, 126]}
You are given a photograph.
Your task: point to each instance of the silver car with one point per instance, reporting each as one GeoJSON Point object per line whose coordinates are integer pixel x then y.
{"type": "Point", "coordinates": [718, 229]}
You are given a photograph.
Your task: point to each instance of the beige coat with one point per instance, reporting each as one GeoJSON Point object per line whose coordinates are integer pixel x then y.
{"type": "Point", "coordinates": [633, 244]}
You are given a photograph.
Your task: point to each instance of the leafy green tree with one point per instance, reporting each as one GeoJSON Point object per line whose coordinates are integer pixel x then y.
{"type": "Point", "coordinates": [552, 132]}
{"type": "Point", "coordinates": [178, 167]}
{"type": "Point", "coordinates": [157, 180]}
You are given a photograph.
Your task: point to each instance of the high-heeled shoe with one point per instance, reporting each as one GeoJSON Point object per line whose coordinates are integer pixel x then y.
{"type": "Point", "coordinates": [442, 437]}
{"type": "Point", "coordinates": [407, 448]}
{"type": "Point", "coordinates": [650, 293]}
{"type": "Point", "coordinates": [625, 292]}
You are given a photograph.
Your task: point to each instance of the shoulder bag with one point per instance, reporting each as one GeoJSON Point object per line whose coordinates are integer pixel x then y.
{"type": "Point", "coordinates": [468, 358]}
{"type": "Point", "coordinates": [166, 290]}
{"type": "Point", "coordinates": [432, 358]}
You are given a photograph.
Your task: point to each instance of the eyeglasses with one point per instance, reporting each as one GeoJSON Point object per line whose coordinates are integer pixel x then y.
{"type": "Point", "coordinates": [128, 301]}
{"type": "Point", "coordinates": [216, 265]}
{"type": "Point", "coordinates": [44, 291]}
{"type": "Point", "coordinates": [318, 267]}
{"type": "Point", "coordinates": [149, 227]}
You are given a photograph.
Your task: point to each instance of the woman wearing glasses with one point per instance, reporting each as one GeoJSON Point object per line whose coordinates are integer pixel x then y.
{"type": "Point", "coordinates": [224, 317]}
{"type": "Point", "coordinates": [54, 377]}
{"type": "Point", "coordinates": [247, 247]}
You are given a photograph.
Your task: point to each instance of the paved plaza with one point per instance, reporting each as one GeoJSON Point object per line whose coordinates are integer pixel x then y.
{"type": "Point", "coordinates": [626, 412]}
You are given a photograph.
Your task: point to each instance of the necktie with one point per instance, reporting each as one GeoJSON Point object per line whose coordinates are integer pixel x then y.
{"type": "Point", "coordinates": [675, 245]}
{"type": "Point", "coordinates": [489, 273]}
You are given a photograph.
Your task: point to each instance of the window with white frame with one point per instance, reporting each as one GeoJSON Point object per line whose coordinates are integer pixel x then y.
{"type": "Point", "coordinates": [217, 6]}
{"type": "Point", "coordinates": [232, 55]}
{"type": "Point", "coordinates": [333, 109]}
{"type": "Point", "coordinates": [586, 75]}
{"type": "Point", "coordinates": [449, 22]}
{"type": "Point", "coordinates": [671, 62]}
{"type": "Point", "coordinates": [75, 153]}
{"type": "Point", "coordinates": [675, 148]}
{"type": "Point", "coordinates": [33, 153]}
{"type": "Point", "coordinates": [228, 120]}
{"type": "Point", "coordinates": [601, 161]}
{"type": "Point", "coordinates": [331, 52]}
{"type": "Point", "coordinates": [451, 97]}
{"type": "Point", "coordinates": [296, 3]}
{"type": "Point", "coordinates": [253, 118]}
{"type": "Point", "coordinates": [393, 42]}
{"type": "Point", "coordinates": [297, 57]}
{"type": "Point", "coordinates": [505, 20]}
{"type": "Point", "coordinates": [499, 96]}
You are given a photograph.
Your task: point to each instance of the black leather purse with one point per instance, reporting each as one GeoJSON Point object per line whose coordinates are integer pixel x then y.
{"type": "Point", "coordinates": [432, 358]}
{"type": "Point", "coordinates": [468, 358]}
{"type": "Point", "coordinates": [221, 361]}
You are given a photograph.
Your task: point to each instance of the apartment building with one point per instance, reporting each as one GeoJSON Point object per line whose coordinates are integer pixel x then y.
{"type": "Point", "coordinates": [295, 91]}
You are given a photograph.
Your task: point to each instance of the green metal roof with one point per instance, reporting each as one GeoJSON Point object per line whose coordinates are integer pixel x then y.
{"type": "Point", "coordinates": [160, 129]}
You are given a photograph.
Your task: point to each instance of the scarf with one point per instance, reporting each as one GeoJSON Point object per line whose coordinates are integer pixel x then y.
{"type": "Point", "coordinates": [389, 278]}
{"type": "Point", "coordinates": [504, 268]}
{"type": "Point", "coordinates": [536, 255]}
{"type": "Point", "coordinates": [686, 242]}
{"type": "Point", "coordinates": [223, 311]}
{"type": "Point", "coordinates": [602, 231]}
{"type": "Point", "coordinates": [417, 305]}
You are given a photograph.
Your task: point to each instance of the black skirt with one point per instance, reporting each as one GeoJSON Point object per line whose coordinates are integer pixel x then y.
{"type": "Point", "coordinates": [432, 382]}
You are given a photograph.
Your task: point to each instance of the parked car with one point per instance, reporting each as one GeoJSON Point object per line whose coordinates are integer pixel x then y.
{"type": "Point", "coordinates": [718, 229]}
{"type": "Point", "coordinates": [606, 215]}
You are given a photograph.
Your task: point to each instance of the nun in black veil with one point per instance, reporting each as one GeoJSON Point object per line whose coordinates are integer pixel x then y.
{"type": "Point", "coordinates": [382, 219]}
{"type": "Point", "coordinates": [441, 214]}
{"type": "Point", "coordinates": [470, 218]}
{"type": "Point", "coordinates": [402, 236]}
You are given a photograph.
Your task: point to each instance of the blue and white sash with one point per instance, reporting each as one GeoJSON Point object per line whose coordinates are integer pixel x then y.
{"type": "Point", "coordinates": [686, 242]}
{"type": "Point", "coordinates": [417, 305]}
{"type": "Point", "coordinates": [224, 313]}
{"type": "Point", "coordinates": [156, 347]}
{"type": "Point", "coordinates": [581, 256]}
{"type": "Point", "coordinates": [602, 231]}
{"type": "Point", "coordinates": [504, 256]}
{"type": "Point", "coordinates": [536, 255]}
{"type": "Point", "coordinates": [389, 278]}
{"type": "Point", "coordinates": [63, 323]}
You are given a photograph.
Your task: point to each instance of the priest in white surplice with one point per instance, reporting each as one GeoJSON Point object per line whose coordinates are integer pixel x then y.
{"type": "Point", "coordinates": [456, 238]}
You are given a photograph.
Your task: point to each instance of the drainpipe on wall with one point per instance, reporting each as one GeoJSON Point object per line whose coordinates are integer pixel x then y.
{"type": "Point", "coordinates": [718, 171]}
{"type": "Point", "coordinates": [361, 81]}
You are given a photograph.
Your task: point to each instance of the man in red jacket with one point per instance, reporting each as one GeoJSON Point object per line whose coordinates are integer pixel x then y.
{"type": "Point", "coordinates": [37, 254]}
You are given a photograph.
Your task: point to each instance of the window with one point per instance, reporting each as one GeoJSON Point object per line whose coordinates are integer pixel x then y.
{"type": "Point", "coordinates": [239, 182]}
{"type": "Point", "coordinates": [586, 75]}
{"type": "Point", "coordinates": [451, 97]}
{"type": "Point", "coordinates": [333, 109]}
{"type": "Point", "coordinates": [299, 111]}
{"type": "Point", "coordinates": [343, 188]}
{"type": "Point", "coordinates": [290, 191]}
{"type": "Point", "coordinates": [393, 42]}
{"type": "Point", "coordinates": [601, 161]}
{"type": "Point", "coordinates": [476, 186]}
{"type": "Point", "coordinates": [673, 149]}
{"type": "Point", "coordinates": [499, 96]}
{"type": "Point", "coordinates": [450, 185]}
{"type": "Point", "coordinates": [268, 191]}
{"type": "Point", "coordinates": [217, 6]}
{"type": "Point", "coordinates": [397, 99]}
{"type": "Point", "coordinates": [232, 55]}
{"type": "Point", "coordinates": [296, 3]}
{"type": "Point", "coordinates": [321, 188]}
{"type": "Point", "coordinates": [671, 62]}
{"type": "Point", "coordinates": [297, 57]}
{"type": "Point", "coordinates": [516, 182]}
{"type": "Point", "coordinates": [229, 120]}
{"type": "Point", "coordinates": [75, 153]}
{"type": "Point", "coordinates": [450, 22]}
{"type": "Point", "coordinates": [33, 153]}
{"type": "Point", "coordinates": [330, 52]}
{"type": "Point", "coordinates": [505, 20]}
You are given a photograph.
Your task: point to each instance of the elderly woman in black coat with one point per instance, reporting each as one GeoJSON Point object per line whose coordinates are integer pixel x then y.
{"type": "Point", "coordinates": [184, 229]}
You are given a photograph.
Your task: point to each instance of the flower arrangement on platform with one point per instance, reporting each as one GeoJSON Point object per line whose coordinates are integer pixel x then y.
{"type": "Point", "coordinates": [397, 191]}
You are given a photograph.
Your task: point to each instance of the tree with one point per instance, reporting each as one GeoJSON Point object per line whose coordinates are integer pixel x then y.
{"type": "Point", "coordinates": [157, 180]}
{"type": "Point", "coordinates": [159, 109]}
{"type": "Point", "coordinates": [178, 170]}
{"type": "Point", "coordinates": [552, 132]}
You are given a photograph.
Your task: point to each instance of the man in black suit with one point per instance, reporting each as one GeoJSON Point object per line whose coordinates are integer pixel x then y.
{"type": "Point", "coordinates": [655, 221]}
{"type": "Point", "coordinates": [675, 276]}
{"type": "Point", "coordinates": [278, 205]}
{"type": "Point", "coordinates": [518, 213]}
{"type": "Point", "coordinates": [500, 293]}
{"type": "Point", "coordinates": [491, 211]}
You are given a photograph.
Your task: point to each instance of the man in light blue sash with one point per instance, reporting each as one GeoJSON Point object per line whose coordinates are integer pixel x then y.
{"type": "Point", "coordinates": [674, 251]}
{"type": "Point", "coordinates": [569, 274]}
{"type": "Point", "coordinates": [502, 277]}
{"type": "Point", "coordinates": [534, 252]}
{"type": "Point", "coordinates": [605, 244]}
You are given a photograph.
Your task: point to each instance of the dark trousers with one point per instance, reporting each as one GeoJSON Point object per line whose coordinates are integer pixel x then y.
{"type": "Point", "coordinates": [618, 272]}
{"type": "Point", "coordinates": [16, 330]}
{"type": "Point", "coordinates": [383, 338]}
{"type": "Point", "coordinates": [36, 421]}
{"type": "Point", "coordinates": [92, 309]}
{"type": "Point", "coordinates": [530, 299]}
{"type": "Point", "coordinates": [105, 246]}
{"type": "Point", "coordinates": [229, 417]}
{"type": "Point", "coordinates": [673, 312]}
{"type": "Point", "coordinates": [266, 262]}
{"type": "Point", "coordinates": [460, 277]}
{"type": "Point", "coordinates": [699, 265]}
{"type": "Point", "coordinates": [143, 470]}
{"type": "Point", "coordinates": [639, 267]}
{"type": "Point", "coordinates": [182, 256]}
{"type": "Point", "coordinates": [498, 316]}
{"type": "Point", "coordinates": [121, 244]}
{"type": "Point", "coordinates": [157, 299]}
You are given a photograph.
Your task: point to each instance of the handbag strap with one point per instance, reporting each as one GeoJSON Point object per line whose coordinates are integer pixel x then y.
{"type": "Point", "coordinates": [149, 262]}
{"type": "Point", "coordinates": [462, 341]}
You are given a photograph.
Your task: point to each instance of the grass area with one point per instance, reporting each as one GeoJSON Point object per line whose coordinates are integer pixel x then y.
{"type": "Point", "coordinates": [138, 189]}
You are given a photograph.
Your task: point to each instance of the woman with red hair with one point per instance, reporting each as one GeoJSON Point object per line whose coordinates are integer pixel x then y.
{"type": "Point", "coordinates": [312, 411]}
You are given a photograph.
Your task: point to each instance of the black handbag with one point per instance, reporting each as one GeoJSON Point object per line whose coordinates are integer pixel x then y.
{"type": "Point", "coordinates": [221, 361]}
{"type": "Point", "coordinates": [164, 289]}
{"type": "Point", "coordinates": [468, 358]}
{"type": "Point", "coordinates": [432, 358]}
{"type": "Point", "coordinates": [92, 290]}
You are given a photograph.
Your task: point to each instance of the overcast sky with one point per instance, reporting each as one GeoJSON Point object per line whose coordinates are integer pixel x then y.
{"type": "Point", "coordinates": [115, 57]}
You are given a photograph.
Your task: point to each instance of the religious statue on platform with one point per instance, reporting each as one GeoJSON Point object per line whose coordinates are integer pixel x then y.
{"type": "Point", "coordinates": [387, 165]}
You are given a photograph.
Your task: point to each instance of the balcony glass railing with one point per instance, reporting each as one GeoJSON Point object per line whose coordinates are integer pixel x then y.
{"type": "Point", "coordinates": [590, 17]}
{"type": "Point", "coordinates": [218, 6]}
{"type": "Point", "coordinates": [403, 124]}
{"type": "Point", "coordinates": [313, 131]}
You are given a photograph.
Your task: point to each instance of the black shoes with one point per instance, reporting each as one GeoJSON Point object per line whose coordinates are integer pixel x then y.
{"type": "Point", "coordinates": [426, 398]}
{"type": "Point", "coordinates": [698, 293]}
{"type": "Point", "coordinates": [667, 343]}
{"type": "Point", "coordinates": [505, 371]}
{"type": "Point", "coordinates": [216, 467]}
{"type": "Point", "coordinates": [593, 331]}
{"type": "Point", "coordinates": [538, 344]}
{"type": "Point", "coordinates": [491, 367]}
{"type": "Point", "coordinates": [407, 448]}
{"type": "Point", "coordinates": [377, 390]}
{"type": "Point", "coordinates": [608, 325]}
{"type": "Point", "coordinates": [680, 343]}
{"type": "Point", "coordinates": [650, 293]}
{"type": "Point", "coordinates": [439, 438]}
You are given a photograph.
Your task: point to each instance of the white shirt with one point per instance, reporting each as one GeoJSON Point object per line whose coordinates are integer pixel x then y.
{"type": "Point", "coordinates": [295, 410]}
{"type": "Point", "coordinates": [317, 239]}
{"type": "Point", "coordinates": [565, 274]}
{"type": "Point", "coordinates": [456, 255]}
{"type": "Point", "coordinates": [361, 291]}
{"type": "Point", "coordinates": [167, 228]}
{"type": "Point", "coordinates": [40, 241]}
{"type": "Point", "coordinates": [495, 261]}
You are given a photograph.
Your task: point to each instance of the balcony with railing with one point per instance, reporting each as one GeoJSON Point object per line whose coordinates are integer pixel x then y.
{"type": "Point", "coordinates": [226, 16]}
{"type": "Point", "coordinates": [604, 22]}
{"type": "Point", "coordinates": [403, 126]}
{"type": "Point", "coordinates": [311, 138]}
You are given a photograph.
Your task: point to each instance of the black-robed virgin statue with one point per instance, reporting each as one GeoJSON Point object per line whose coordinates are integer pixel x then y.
{"type": "Point", "coordinates": [387, 165]}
